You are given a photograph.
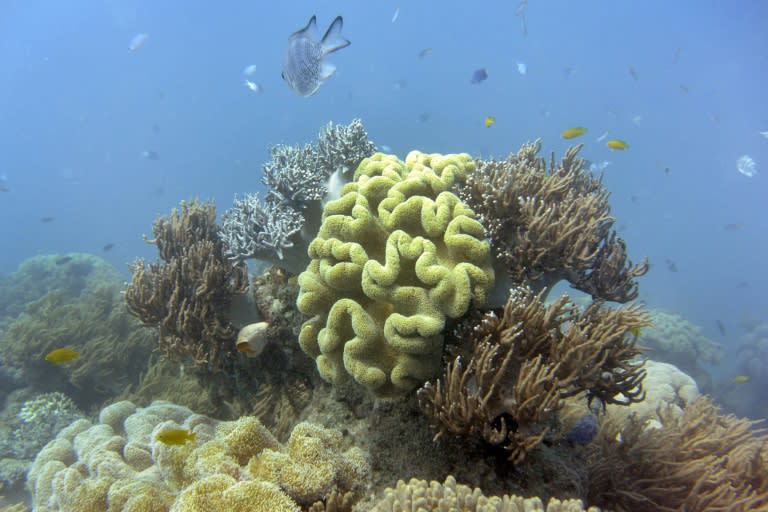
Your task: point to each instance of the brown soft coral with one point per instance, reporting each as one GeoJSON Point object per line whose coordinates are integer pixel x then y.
{"type": "Point", "coordinates": [699, 460]}
{"type": "Point", "coordinates": [187, 295]}
{"type": "Point", "coordinates": [522, 365]}
{"type": "Point", "coordinates": [551, 222]}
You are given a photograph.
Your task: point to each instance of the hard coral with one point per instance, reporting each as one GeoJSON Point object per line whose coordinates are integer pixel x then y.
{"type": "Point", "coordinates": [551, 222]}
{"type": "Point", "coordinates": [395, 256]}
{"type": "Point", "coordinates": [297, 181]}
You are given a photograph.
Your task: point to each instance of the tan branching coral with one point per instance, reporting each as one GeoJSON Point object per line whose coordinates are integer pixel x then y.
{"type": "Point", "coordinates": [508, 389]}
{"type": "Point", "coordinates": [551, 222]}
{"type": "Point", "coordinates": [698, 461]}
{"type": "Point", "coordinates": [187, 295]}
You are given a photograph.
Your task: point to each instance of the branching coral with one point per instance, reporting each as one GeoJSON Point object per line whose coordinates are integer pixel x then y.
{"type": "Point", "coordinates": [297, 181]}
{"type": "Point", "coordinates": [187, 295]}
{"type": "Point", "coordinates": [698, 461]}
{"type": "Point", "coordinates": [523, 364]}
{"type": "Point", "coordinates": [551, 222]}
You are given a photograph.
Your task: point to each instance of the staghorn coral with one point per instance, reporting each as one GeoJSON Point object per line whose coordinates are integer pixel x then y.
{"type": "Point", "coordinates": [117, 464]}
{"type": "Point", "coordinates": [113, 346]}
{"type": "Point", "coordinates": [434, 496]}
{"type": "Point", "coordinates": [187, 296]}
{"type": "Point", "coordinates": [699, 460]}
{"type": "Point", "coordinates": [395, 256]}
{"type": "Point", "coordinates": [549, 223]}
{"type": "Point", "coordinates": [508, 390]}
{"type": "Point", "coordinates": [297, 179]}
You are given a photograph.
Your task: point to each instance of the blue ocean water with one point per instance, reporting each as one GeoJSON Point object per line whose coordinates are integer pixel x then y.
{"type": "Point", "coordinates": [682, 82]}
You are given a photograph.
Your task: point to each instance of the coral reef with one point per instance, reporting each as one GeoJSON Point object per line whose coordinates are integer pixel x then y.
{"type": "Point", "coordinates": [188, 295]}
{"type": "Point", "coordinates": [744, 393]}
{"type": "Point", "coordinates": [113, 346]}
{"type": "Point", "coordinates": [117, 464]}
{"type": "Point", "coordinates": [395, 256]}
{"type": "Point", "coordinates": [165, 380]}
{"type": "Point", "coordinates": [666, 388]}
{"type": "Point", "coordinates": [435, 496]}
{"type": "Point", "coordinates": [675, 340]}
{"type": "Point", "coordinates": [40, 419]}
{"type": "Point", "coordinates": [71, 274]}
{"type": "Point", "coordinates": [297, 178]}
{"type": "Point", "coordinates": [699, 460]}
{"type": "Point", "coordinates": [549, 223]}
{"type": "Point", "coordinates": [27, 423]}
{"type": "Point", "coordinates": [508, 390]}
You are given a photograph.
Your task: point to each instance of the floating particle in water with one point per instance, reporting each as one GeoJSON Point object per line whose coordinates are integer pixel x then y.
{"type": "Point", "coordinates": [137, 42]}
{"type": "Point", "coordinates": [746, 166]}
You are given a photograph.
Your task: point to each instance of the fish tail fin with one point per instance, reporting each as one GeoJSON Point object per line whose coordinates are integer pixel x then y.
{"type": "Point", "coordinates": [192, 436]}
{"type": "Point", "coordinates": [332, 40]}
{"type": "Point", "coordinates": [310, 29]}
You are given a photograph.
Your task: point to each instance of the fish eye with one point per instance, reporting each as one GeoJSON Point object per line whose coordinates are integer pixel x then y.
{"type": "Point", "coordinates": [282, 75]}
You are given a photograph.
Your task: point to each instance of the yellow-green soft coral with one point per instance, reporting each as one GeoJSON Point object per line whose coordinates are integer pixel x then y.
{"type": "Point", "coordinates": [396, 254]}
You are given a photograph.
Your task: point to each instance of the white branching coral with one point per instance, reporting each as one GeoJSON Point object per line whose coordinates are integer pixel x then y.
{"type": "Point", "coordinates": [297, 182]}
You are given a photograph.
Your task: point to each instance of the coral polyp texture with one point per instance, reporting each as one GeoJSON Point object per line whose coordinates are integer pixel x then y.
{"type": "Point", "coordinates": [117, 464]}
{"type": "Point", "coordinates": [396, 255]}
{"type": "Point", "coordinates": [423, 495]}
{"type": "Point", "coordinates": [549, 222]}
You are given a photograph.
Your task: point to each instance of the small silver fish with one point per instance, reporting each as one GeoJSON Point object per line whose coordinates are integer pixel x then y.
{"type": "Point", "coordinates": [304, 65]}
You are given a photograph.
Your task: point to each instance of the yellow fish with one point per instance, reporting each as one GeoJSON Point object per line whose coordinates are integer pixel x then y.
{"type": "Point", "coordinates": [572, 133]}
{"type": "Point", "coordinates": [175, 436]}
{"type": "Point", "coordinates": [489, 121]}
{"type": "Point", "coordinates": [635, 330]}
{"type": "Point", "coordinates": [741, 379]}
{"type": "Point", "coordinates": [617, 144]}
{"type": "Point", "coordinates": [61, 356]}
